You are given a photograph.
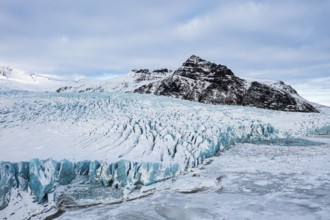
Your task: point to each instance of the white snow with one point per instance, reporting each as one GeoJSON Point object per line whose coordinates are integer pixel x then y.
{"type": "Point", "coordinates": [15, 79]}
{"type": "Point", "coordinates": [245, 182]}
{"type": "Point", "coordinates": [109, 126]}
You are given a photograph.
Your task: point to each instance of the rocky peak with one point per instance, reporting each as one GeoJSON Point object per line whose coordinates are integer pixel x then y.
{"type": "Point", "coordinates": [162, 71]}
{"type": "Point", "coordinates": [195, 59]}
{"type": "Point", "coordinates": [196, 67]}
{"type": "Point", "coordinates": [147, 75]}
{"type": "Point", "coordinates": [203, 81]}
{"type": "Point", "coordinates": [143, 71]}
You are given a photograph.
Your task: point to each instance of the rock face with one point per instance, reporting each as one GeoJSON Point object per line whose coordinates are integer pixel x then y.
{"type": "Point", "coordinates": [147, 75]}
{"type": "Point", "coordinates": [278, 97]}
{"type": "Point", "coordinates": [201, 81]}
{"type": "Point", "coordinates": [206, 82]}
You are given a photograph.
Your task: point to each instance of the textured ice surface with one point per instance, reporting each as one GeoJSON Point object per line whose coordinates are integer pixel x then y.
{"type": "Point", "coordinates": [42, 175]}
{"type": "Point", "coordinates": [122, 140]}
{"type": "Point", "coordinates": [258, 182]}
{"type": "Point", "coordinates": [22, 175]}
{"type": "Point", "coordinates": [66, 173]}
{"type": "Point", "coordinates": [289, 142]}
{"type": "Point", "coordinates": [125, 172]}
{"type": "Point", "coordinates": [134, 127]}
{"type": "Point", "coordinates": [7, 182]}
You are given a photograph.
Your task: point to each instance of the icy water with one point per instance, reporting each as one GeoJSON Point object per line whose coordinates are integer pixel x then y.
{"type": "Point", "coordinates": [282, 179]}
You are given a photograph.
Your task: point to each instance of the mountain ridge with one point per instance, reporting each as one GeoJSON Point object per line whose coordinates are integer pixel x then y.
{"type": "Point", "coordinates": [196, 80]}
{"type": "Point", "coordinates": [203, 81]}
{"type": "Point", "coordinates": [16, 79]}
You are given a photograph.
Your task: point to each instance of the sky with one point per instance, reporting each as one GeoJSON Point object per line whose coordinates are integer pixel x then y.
{"type": "Point", "coordinates": [285, 40]}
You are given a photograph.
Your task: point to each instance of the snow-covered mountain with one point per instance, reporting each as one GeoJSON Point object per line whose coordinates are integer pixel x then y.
{"type": "Point", "coordinates": [202, 81]}
{"type": "Point", "coordinates": [128, 83]}
{"type": "Point", "coordinates": [15, 79]}
{"type": "Point", "coordinates": [196, 80]}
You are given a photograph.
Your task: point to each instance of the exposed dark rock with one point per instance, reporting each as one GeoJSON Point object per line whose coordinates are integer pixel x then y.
{"type": "Point", "coordinates": [264, 96]}
{"type": "Point", "coordinates": [62, 89]}
{"type": "Point", "coordinates": [5, 71]}
{"type": "Point", "coordinates": [147, 75]}
{"type": "Point", "coordinates": [206, 82]}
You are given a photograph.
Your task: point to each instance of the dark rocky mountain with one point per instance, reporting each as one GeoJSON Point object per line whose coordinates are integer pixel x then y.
{"type": "Point", "coordinates": [147, 75]}
{"type": "Point", "coordinates": [203, 81]}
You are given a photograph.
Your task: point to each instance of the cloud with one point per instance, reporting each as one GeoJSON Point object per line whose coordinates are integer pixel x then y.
{"type": "Point", "coordinates": [316, 90]}
{"type": "Point", "coordinates": [64, 40]}
{"type": "Point", "coordinates": [284, 40]}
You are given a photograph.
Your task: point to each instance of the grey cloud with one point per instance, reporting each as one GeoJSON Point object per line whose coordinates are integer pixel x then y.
{"type": "Point", "coordinates": [251, 37]}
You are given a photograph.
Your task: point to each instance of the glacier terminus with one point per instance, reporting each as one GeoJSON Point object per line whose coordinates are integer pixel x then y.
{"type": "Point", "coordinates": [88, 148]}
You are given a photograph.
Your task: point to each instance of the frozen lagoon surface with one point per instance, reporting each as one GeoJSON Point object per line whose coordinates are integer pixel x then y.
{"type": "Point", "coordinates": [246, 181]}
{"type": "Point", "coordinates": [279, 174]}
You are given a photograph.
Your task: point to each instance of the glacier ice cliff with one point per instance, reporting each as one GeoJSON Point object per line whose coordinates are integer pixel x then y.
{"type": "Point", "coordinates": [42, 177]}
{"type": "Point", "coordinates": [7, 181]}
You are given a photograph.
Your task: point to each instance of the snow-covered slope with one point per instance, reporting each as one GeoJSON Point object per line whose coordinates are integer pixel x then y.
{"type": "Point", "coordinates": [15, 79]}
{"type": "Point", "coordinates": [121, 139]}
{"type": "Point", "coordinates": [127, 83]}
{"type": "Point", "coordinates": [197, 80]}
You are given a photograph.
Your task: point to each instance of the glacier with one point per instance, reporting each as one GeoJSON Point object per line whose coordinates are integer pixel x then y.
{"type": "Point", "coordinates": [118, 140]}
{"type": "Point", "coordinates": [43, 176]}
